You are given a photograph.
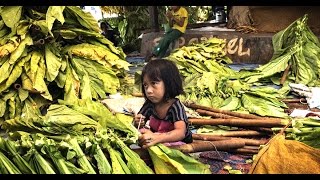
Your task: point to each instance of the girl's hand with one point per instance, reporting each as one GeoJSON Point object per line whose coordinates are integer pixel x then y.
{"type": "Point", "coordinates": [137, 118]}
{"type": "Point", "coordinates": [148, 138]}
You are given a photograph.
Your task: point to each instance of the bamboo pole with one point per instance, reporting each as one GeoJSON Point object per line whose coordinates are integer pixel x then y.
{"type": "Point", "coordinates": [213, 114]}
{"type": "Point", "coordinates": [294, 100]}
{"type": "Point", "coordinates": [261, 129]}
{"type": "Point", "coordinates": [244, 133]}
{"type": "Point", "coordinates": [244, 151]}
{"type": "Point", "coordinates": [247, 116]}
{"type": "Point", "coordinates": [285, 74]}
{"type": "Point", "coordinates": [261, 122]}
{"type": "Point", "coordinates": [209, 146]}
{"type": "Point", "coordinates": [249, 142]}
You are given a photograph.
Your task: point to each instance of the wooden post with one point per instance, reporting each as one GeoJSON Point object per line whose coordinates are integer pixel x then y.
{"type": "Point", "coordinates": [153, 11]}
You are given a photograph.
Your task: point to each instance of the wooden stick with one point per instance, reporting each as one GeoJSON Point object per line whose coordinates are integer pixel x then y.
{"type": "Point", "coordinates": [249, 142]}
{"type": "Point", "coordinates": [243, 133]}
{"type": "Point", "coordinates": [208, 137]}
{"type": "Point", "coordinates": [294, 100]}
{"type": "Point", "coordinates": [213, 114]}
{"type": "Point", "coordinates": [244, 151]}
{"type": "Point", "coordinates": [261, 129]}
{"type": "Point", "coordinates": [251, 147]}
{"type": "Point", "coordinates": [246, 116]}
{"type": "Point", "coordinates": [285, 74]}
{"type": "Point", "coordinates": [261, 122]}
{"type": "Point", "coordinates": [209, 146]}
{"type": "Point", "coordinates": [293, 106]}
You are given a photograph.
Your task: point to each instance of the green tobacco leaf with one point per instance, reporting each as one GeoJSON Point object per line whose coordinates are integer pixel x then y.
{"type": "Point", "coordinates": [179, 162]}
{"type": "Point", "coordinates": [43, 26]}
{"type": "Point", "coordinates": [93, 52]}
{"type": "Point", "coordinates": [276, 65]}
{"type": "Point", "coordinates": [39, 83]}
{"type": "Point", "coordinates": [304, 73]}
{"type": "Point", "coordinates": [102, 162]}
{"type": "Point", "coordinates": [84, 18]}
{"type": "Point", "coordinates": [68, 34]}
{"type": "Point", "coordinates": [53, 63]}
{"type": "Point", "coordinates": [115, 164]}
{"type": "Point", "coordinates": [61, 79]}
{"type": "Point", "coordinates": [231, 103]}
{"type": "Point", "coordinates": [85, 87]}
{"type": "Point", "coordinates": [20, 50]}
{"type": "Point", "coordinates": [261, 107]}
{"type": "Point", "coordinates": [66, 117]}
{"type": "Point", "coordinates": [71, 87]}
{"type": "Point", "coordinates": [5, 70]}
{"type": "Point", "coordinates": [23, 27]}
{"type": "Point", "coordinates": [2, 107]}
{"type": "Point", "coordinates": [101, 114]}
{"type": "Point", "coordinates": [53, 13]}
{"type": "Point", "coordinates": [134, 162]}
{"type": "Point", "coordinates": [11, 15]}
{"type": "Point", "coordinates": [85, 32]}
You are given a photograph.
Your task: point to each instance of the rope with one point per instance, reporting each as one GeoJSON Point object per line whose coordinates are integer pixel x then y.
{"type": "Point", "coordinates": [227, 161]}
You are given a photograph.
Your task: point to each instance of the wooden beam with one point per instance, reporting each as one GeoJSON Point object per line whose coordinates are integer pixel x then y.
{"type": "Point", "coordinates": [153, 11]}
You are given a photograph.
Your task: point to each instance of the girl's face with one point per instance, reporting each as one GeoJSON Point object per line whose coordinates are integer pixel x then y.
{"type": "Point", "coordinates": [154, 89]}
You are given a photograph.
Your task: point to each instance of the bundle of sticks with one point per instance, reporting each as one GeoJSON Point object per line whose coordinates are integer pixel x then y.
{"type": "Point", "coordinates": [253, 131]}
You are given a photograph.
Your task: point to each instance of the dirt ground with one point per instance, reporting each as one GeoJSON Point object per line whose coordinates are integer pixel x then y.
{"type": "Point", "coordinates": [273, 18]}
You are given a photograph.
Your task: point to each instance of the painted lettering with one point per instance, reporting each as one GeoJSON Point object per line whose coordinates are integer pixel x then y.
{"type": "Point", "coordinates": [193, 40]}
{"type": "Point", "coordinates": [202, 39]}
{"type": "Point", "coordinates": [231, 46]}
{"type": "Point", "coordinates": [240, 52]}
{"type": "Point", "coordinates": [182, 42]}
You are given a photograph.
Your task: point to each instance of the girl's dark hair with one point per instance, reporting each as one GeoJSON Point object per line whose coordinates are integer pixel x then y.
{"type": "Point", "coordinates": [167, 71]}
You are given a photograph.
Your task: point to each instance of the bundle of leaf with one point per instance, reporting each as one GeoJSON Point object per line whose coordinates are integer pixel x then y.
{"type": "Point", "coordinates": [296, 57]}
{"type": "Point", "coordinates": [100, 153]}
{"type": "Point", "coordinates": [82, 117]}
{"type": "Point", "coordinates": [55, 52]}
{"type": "Point", "coordinates": [172, 161]}
{"type": "Point", "coordinates": [202, 57]}
{"type": "Point", "coordinates": [209, 82]}
{"type": "Point", "coordinates": [124, 160]}
{"type": "Point", "coordinates": [305, 130]}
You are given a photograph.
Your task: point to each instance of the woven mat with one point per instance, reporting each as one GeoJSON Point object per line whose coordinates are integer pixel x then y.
{"type": "Point", "coordinates": [219, 159]}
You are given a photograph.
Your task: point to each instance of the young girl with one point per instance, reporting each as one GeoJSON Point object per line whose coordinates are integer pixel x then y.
{"type": "Point", "coordinates": [161, 83]}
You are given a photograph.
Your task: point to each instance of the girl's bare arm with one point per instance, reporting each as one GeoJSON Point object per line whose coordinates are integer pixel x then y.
{"type": "Point", "coordinates": [148, 138]}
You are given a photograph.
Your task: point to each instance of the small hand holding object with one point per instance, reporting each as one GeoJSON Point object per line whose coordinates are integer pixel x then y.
{"type": "Point", "coordinates": [147, 138]}
{"type": "Point", "coordinates": [139, 120]}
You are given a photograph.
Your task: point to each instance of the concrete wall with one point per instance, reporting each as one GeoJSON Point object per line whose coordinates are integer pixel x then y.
{"type": "Point", "coordinates": [241, 48]}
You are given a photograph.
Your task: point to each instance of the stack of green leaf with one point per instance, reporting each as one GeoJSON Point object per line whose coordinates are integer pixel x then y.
{"type": "Point", "coordinates": [100, 153]}
{"type": "Point", "coordinates": [80, 118]}
{"type": "Point", "coordinates": [172, 161]}
{"type": "Point", "coordinates": [54, 52]}
{"type": "Point", "coordinates": [297, 48]}
{"type": "Point", "coordinates": [81, 138]}
{"type": "Point", "coordinates": [306, 130]}
{"type": "Point", "coordinates": [199, 57]}
{"type": "Point", "coordinates": [209, 82]}
{"type": "Point", "coordinates": [72, 138]}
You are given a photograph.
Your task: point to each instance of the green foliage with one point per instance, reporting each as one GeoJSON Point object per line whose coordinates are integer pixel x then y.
{"type": "Point", "coordinates": [132, 20]}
